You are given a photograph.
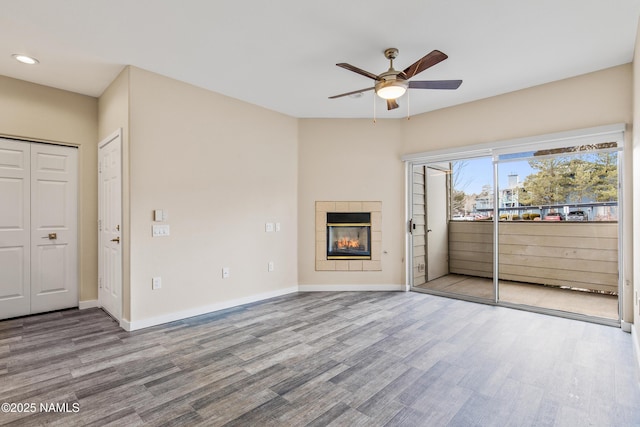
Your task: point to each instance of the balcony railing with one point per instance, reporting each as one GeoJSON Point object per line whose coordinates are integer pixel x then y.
{"type": "Point", "coordinates": [582, 255]}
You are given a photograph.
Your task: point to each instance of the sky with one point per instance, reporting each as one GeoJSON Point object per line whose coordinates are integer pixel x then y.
{"type": "Point", "coordinates": [478, 172]}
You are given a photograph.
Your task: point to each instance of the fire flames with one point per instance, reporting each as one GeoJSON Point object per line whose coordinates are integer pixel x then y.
{"type": "Point", "coordinates": [347, 243]}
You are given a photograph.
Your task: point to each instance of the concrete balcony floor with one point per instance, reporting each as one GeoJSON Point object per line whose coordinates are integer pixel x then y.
{"type": "Point", "coordinates": [587, 303]}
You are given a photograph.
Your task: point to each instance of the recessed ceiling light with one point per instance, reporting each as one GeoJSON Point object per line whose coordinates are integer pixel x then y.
{"type": "Point", "coordinates": [25, 59]}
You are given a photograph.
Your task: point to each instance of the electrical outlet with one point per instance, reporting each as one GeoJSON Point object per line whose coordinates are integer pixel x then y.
{"type": "Point", "coordinates": [156, 283]}
{"type": "Point", "coordinates": [277, 226]}
{"type": "Point", "coordinates": [226, 272]}
{"type": "Point", "coordinates": [270, 267]}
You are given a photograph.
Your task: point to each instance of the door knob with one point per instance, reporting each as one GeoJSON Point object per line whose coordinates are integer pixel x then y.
{"type": "Point", "coordinates": [51, 236]}
{"type": "Point", "coordinates": [117, 240]}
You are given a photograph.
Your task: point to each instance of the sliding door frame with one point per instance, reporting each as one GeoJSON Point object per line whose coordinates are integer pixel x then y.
{"type": "Point", "coordinates": [609, 133]}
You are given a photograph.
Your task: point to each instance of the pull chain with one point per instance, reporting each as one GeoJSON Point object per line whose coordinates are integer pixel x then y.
{"type": "Point", "coordinates": [408, 106]}
{"type": "Point", "coordinates": [374, 108]}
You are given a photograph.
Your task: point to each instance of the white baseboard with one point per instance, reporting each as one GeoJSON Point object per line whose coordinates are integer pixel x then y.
{"type": "Point", "coordinates": [126, 325]}
{"type": "Point", "coordinates": [90, 303]}
{"type": "Point", "coordinates": [185, 314]}
{"type": "Point", "coordinates": [349, 288]}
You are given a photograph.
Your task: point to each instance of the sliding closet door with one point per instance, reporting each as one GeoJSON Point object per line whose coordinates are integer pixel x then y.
{"type": "Point", "coordinates": [38, 228]}
{"type": "Point", "coordinates": [15, 177]}
{"type": "Point", "coordinates": [54, 227]}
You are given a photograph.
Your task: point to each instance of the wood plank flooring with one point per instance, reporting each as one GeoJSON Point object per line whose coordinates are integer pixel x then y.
{"type": "Point", "coordinates": [571, 301]}
{"type": "Point", "coordinates": [318, 359]}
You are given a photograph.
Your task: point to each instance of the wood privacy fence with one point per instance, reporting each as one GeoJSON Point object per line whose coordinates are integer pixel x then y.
{"type": "Point", "coordinates": [580, 255]}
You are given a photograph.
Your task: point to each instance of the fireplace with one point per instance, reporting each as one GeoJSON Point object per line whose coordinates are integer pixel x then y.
{"type": "Point", "coordinates": [348, 235]}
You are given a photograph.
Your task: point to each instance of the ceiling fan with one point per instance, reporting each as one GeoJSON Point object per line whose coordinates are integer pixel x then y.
{"type": "Point", "coordinates": [392, 84]}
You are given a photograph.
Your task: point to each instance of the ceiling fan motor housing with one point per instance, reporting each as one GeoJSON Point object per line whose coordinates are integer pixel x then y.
{"type": "Point", "coordinates": [391, 84]}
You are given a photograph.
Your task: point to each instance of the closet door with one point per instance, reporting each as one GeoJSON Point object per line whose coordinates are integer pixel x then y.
{"type": "Point", "coordinates": [15, 231]}
{"type": "Point", "coordinates": [54, 227]}
{"type": "Point", "coordinates": [38, 228]}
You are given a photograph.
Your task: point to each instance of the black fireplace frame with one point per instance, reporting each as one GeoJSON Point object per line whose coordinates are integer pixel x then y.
{"type": "Point", "coordinates": [353, 220]}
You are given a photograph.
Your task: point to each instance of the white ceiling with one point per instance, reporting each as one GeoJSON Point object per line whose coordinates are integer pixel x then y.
{"type": "Point", "coordinates": [281, 54]}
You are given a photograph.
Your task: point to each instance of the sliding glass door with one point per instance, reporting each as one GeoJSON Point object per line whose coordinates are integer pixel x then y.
{"type": "Point", "coordinates": [452, 228]}
{"type": "Point", "coordinates": [532, 225]}
{"type": "Point", "coordinates": [558, 229]}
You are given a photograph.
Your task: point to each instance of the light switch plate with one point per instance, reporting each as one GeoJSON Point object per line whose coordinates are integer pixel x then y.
{"type": "Point", "coordinates": [268, 227]}
{"type": "Point", "coordinates": [226, 272]}
{"type": "Point", "coordinates": [160, 230]}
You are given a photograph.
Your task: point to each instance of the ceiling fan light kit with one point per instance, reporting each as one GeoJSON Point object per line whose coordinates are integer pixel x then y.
{"type": "Point", "coordinates": [391, 89]}
{"type": "Point", "coordinates": [393, 84]}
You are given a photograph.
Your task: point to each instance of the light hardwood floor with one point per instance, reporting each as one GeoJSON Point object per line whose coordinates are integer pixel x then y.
{"type": "Point", "coordinates": [554, 298]}
{"type": "Point", "coordinates": [343, 359]}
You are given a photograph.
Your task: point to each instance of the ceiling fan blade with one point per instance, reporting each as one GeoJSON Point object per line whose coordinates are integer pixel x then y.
{"type": "Point", "coordinates": [392, 104]}
{"type": "Point", "coordinates": [429, 60]}
{"type": "Point", "coordinates": [350, 93]}
{"type": "Point", "coordinates": [358, 70]}
{"type": "Point", "coordinates": [435, 84]}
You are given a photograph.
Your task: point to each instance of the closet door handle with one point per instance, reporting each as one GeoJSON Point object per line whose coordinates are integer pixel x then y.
{"type": "Point", "coordinates": [51, 236]}
{"type": "Point", "coordinates": [117, 240]}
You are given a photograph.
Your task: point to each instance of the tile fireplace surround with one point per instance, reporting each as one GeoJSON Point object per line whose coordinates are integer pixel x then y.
{"type": "Point", "coordinates": [322, 263]}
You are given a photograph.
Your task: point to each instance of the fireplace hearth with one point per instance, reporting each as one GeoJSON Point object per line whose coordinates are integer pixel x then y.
{"type": "Point", "coordinates": [348, 235]}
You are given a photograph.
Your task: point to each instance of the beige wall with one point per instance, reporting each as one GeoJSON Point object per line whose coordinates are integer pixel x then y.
{"type": "Point", "coordinates": [40, 113]}
{"type": "Point", "coordinates": [221, 168]}
{"type": "Point", "coordinates": [351, 160]}
{"type": "Point", "coordinates": [594, 99]}
{"type": "Point", "coordinates": [113, 111]}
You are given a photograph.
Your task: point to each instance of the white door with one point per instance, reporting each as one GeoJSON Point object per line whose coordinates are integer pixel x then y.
{"type": "Point", "coordinates": [15, 181]}
{"type": "Point", "coordinates": [38, 225]}
{"type": "Point", "coordinates": [436, 222]}
{"type": "Point", "coordinates": [110, 225]}
{"type": "Point", "coordinates": [54, 227]}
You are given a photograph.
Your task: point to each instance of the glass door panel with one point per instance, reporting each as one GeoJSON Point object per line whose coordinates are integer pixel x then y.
{"type": "Point", "coordinates": [452, 228]}
{"type": "Point", "coordinates": [558, 230]}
